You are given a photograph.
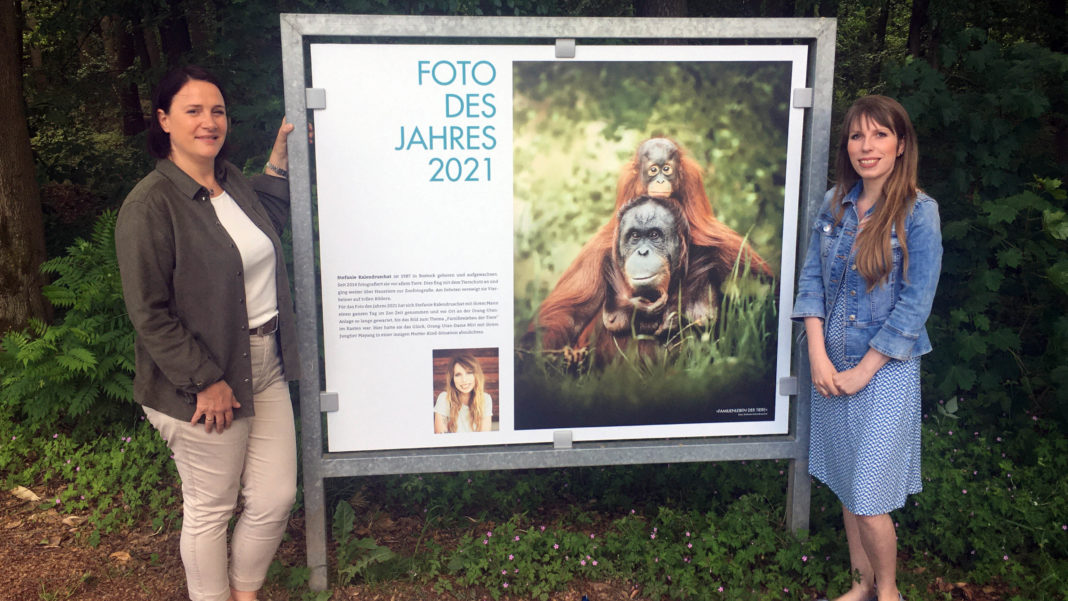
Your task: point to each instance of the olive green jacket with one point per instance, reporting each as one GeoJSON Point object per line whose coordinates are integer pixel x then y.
{"type": "Point", "coordinates": [184, 288]}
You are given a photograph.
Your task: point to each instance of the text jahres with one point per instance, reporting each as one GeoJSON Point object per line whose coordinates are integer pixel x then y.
{"type": "Point", "coordinates": [469, 112]}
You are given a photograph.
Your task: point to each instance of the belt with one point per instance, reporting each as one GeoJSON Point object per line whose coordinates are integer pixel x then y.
{"type": "Point", "coordinates": [266, 329]}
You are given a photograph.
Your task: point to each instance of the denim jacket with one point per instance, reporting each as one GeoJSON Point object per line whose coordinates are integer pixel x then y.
{"type": "Point", "coordinates": [890, 318]}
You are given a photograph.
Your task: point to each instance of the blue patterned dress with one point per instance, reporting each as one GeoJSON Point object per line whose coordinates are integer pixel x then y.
{"type": "Point", "coordinates": [866, 446]}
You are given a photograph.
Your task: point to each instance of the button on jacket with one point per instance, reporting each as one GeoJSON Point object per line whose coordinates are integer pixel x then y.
{"type": "Point", "coordinates": [891, 317]}
{"type": "Point", "coordinates": [184, 289]}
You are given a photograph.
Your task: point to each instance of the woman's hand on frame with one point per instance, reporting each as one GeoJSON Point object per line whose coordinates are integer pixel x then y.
{"type": "Point", "coordinates": [280, 151]}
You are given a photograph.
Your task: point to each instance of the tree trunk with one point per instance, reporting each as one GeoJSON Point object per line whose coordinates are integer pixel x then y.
{"type": "Point", "coordinates": [36, 73]}
{"type": "Point", "coordinates": [148, 45]}
{"type": "Point", "coordinates": [22, 247]}
{"type": "Point", "coordinates": [882, 20]}
{"type": "Point", "coordinates": [200, 20]}
{"type": "Point", "coordinates": [917, 23]}
{"type": "Point", "coordinates": [119, 46]}
{"type": "Point", "coordinates": [174, 34]}
{"type": "Point", "coordinates": [660, 8]}
{"type": "Point", "coordinates": [1058, 20]}
{"type": "Point", "coordinates": [779, 9]}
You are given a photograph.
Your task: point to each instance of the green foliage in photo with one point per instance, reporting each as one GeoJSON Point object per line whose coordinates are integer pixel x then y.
{"type": "Point", "coordinates": [699, 370]}
{"type": "Point", "coordinates": [577, 124]}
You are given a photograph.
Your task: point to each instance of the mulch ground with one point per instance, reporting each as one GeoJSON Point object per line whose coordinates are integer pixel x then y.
{"type": "Point", "coordinates": [44, 556]}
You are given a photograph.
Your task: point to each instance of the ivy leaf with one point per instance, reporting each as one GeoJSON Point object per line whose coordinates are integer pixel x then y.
{"type": "Point", "coordinates": [1055, 223]}
{"type": "Point", "coordinates": [1060, 376]}
{"type": "Point", "coordinates": [959, 377]}
{"type": "Point", "coordinates": [959, 316]}
{"type": "Point", "coordinates": [1027, 200]}
{"type": "Point", "coordinates": [1052, 186]}
{"type": "Point", "coordinates": [1010, 257]}
{"type": "Point", "coordinates": [971, 344]}
{"type": "Point", "coordinates": [1058, 275]}
{"type": "Point", "coordinates": [955, 230]}
{"type": "Point", "coordinates": [992, 279]}
{"type": "Point", "coordinates": [1000, 211]}
{"type": "Point", "coordinates": [1004, 339]}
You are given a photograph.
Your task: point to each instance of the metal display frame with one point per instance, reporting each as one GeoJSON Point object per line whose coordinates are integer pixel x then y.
{"type": "Point", "coordinates": [565, 33]}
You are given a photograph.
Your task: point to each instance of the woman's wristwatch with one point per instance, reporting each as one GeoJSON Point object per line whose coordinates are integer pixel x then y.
{"type": "Point", "coordinates": [277, 170]}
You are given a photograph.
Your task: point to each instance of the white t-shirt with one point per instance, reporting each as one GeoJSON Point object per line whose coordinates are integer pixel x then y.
{"type": "Point", "coordinates": [463, 417]}
{"type": "Point", "coordinates": [257, 260]}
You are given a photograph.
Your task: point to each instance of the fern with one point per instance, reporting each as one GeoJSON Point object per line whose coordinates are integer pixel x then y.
{"type": "Point", "coordinates": [77, 370]}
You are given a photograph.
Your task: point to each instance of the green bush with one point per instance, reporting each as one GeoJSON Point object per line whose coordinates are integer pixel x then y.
{"type": "Point", "coordinates": [116, 476]}
{"type": "Point", "coordinates": [992, 513]}
{"type": "Point", "coordinates": [68, 422]}
{"type": "Point", "coordinates": [76, 372]}
{"type": "Point", "coordinates": [986, 123]}
{"type": "Point", "coordinates": [994, 506]}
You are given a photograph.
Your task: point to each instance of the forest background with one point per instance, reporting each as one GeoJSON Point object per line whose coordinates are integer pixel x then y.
{"type": "Point", "coordinates": [986, 83]}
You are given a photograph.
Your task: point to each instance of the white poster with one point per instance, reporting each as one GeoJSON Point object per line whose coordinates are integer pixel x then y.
{"type": "Point", "coordinates": [500, 261]}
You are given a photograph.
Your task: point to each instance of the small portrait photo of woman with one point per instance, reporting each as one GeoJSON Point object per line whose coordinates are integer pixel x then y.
{"type": "Point", "coordinates": [465, 383]}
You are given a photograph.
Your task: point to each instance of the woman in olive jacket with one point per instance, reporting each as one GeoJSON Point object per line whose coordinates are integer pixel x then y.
{"type": "Point", "coordinates": [206, 288]}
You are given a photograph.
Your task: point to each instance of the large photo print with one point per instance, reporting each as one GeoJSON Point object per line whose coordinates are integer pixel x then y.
{"type": "Point", "coordinates": [513, 244]}
{"type": "Point", "coordinates": [649, 207]}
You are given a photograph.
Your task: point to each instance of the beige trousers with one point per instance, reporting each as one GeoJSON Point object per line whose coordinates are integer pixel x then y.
{"type": "Point", "coordinates": [257, 457]}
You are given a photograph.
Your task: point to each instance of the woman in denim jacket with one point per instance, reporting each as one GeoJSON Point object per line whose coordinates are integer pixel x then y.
{"type": "Point", "coordinates": [864, 294]}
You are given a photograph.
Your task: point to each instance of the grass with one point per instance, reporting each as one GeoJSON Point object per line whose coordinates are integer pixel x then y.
{"type": "Point", "coordinates": [993, 514]}
{"type": "Point", "coordinates": [732, 355]}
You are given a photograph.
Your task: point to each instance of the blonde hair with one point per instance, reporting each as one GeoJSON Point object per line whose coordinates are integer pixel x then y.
{"type": "Point", "coordinates": [874, 258]}
{"type": "Point", "coordinates": [456, 397]}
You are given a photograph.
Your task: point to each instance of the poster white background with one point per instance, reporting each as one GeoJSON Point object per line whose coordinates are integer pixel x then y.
{"type": "Point", "coordinates": [413, 159]}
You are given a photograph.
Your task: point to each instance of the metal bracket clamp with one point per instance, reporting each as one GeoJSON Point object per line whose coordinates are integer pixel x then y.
{"type": "Point", "coordinates": [315, 98]}
{"type": "Point", "coordinates": [788, 386]}
{"type": "Point", "coordinates": [565, 48]}
{"type": "Point", "coordinates": [562, 439]}
{"type": "Point", "coordinates": [803, 98]}
{"type": "Point", "coordinates": [328, 402]}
